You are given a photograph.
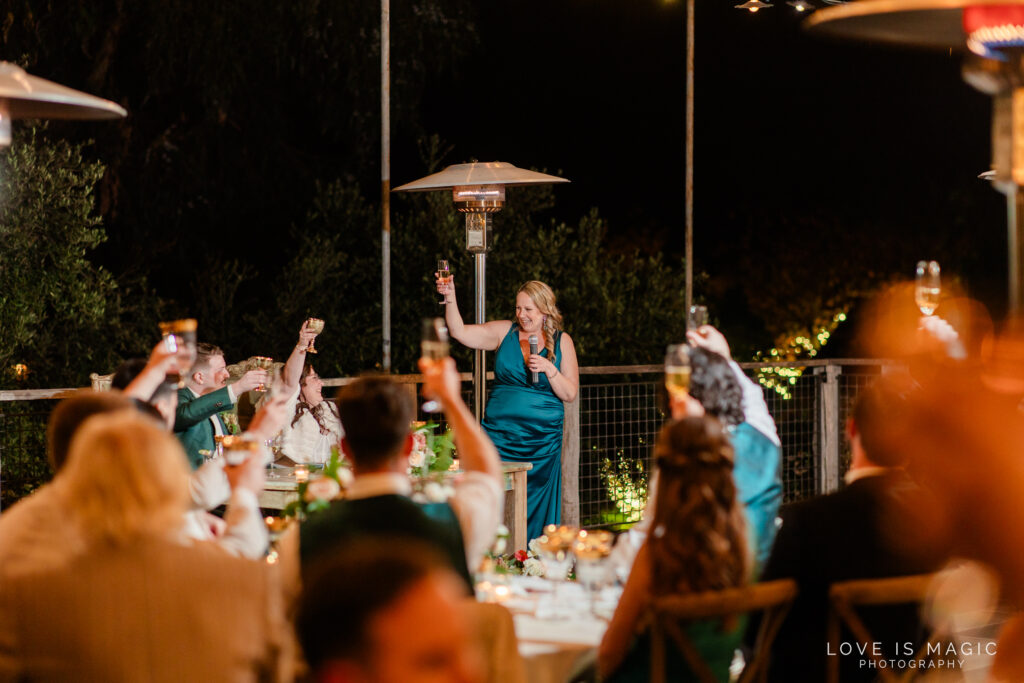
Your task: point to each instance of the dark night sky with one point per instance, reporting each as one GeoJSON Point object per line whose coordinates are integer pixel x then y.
{"type": "Point", "coordinates": [786, 124]}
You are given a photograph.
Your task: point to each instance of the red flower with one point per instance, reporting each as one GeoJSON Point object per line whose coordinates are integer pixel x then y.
{"type": "Point", "coordinates": [521, 555]}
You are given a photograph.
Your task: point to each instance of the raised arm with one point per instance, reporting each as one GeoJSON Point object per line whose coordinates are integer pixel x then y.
{"type": "Point", "coordinates": [619, 636]}
{"type": "Point", "coordinates": [145, 384]}
{"type": "Point", "coordinates": [487, 336]}
{"type": "Point", "coordinates": [292, 372]}
{"type": "Point", "coordinates": [476, 452]}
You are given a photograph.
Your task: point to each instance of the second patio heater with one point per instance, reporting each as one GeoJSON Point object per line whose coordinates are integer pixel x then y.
{"type": "Point", "coordinates": [993, 32]}
{"type": "Point", "coordinates": [478, 189]}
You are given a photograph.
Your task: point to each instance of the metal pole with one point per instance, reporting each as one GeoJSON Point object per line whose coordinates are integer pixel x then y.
{"type": "Point", "coordinates": [385, 177]}
{"type": "Point", "coordinates": [479, 361]}
{"type": "Point", "coordinates": [690, 7]}
{"type": "Point", "coordinates": [1015, 242]}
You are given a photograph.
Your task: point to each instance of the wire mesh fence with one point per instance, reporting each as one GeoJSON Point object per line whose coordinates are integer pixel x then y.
{"type": "Point", "coordinates": [620, 415]}
{"type": "Point", "coordinates": [23, 463]}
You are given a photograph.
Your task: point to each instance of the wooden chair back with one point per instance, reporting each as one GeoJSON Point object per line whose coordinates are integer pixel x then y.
{"type": "Point", "coordinates": [846, 596]}
{"type": "Point", "coordinates": [670, 614]}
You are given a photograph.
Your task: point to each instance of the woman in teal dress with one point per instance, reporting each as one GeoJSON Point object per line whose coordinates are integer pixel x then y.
{"type": "Point", "coordinates": [697, 543]}
{"type": "Point", "coordinates": [523, 418]}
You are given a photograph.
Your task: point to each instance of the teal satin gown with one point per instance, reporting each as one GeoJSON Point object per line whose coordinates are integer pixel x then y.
{"type": "Point", "coordinates": [524, 420]}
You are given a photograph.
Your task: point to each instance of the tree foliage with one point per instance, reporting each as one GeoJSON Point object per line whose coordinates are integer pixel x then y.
{"type": "Point", "coordinates": [61, 315]}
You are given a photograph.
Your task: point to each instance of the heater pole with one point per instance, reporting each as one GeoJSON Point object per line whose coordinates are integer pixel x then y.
{"type": "Point", "coordinates": [479, 363]}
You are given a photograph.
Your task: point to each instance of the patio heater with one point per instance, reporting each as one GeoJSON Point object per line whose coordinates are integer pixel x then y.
{"type": "Point", "coordinates": [478, 190]}
{"type": "Point", "coordinates": [23, 96]}
{"type": "Point", "coordinates": [993, 32]}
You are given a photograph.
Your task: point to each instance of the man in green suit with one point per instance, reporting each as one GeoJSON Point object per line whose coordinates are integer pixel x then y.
{"type": "Point", "coordinates": [204, 397]}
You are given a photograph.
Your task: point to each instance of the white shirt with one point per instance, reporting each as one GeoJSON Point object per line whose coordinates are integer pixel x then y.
{"type": "Point", "coordinates": [478, 503]}
{"type": "Point", "coordinates": [303, 442]}
{"type": "Point", "coordinates": [245, 534]}
{"type": "Point", "coordinates": [755, 410]}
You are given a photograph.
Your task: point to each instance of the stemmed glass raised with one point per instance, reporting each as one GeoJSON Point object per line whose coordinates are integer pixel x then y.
{"type": "Point", "coordinates": [927, 286]}
{"type": "Point", "coordinates": [434, 347]}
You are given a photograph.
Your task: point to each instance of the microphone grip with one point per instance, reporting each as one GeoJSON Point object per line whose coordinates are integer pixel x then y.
{"type": "Point", "coordinates": [534, 376]}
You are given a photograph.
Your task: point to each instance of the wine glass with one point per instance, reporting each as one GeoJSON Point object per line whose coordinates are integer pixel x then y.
{"type": "Point", "coordinates": [263, 363]}
{"type": "Point", "coordinates": [435, 348]}
{"type": "Point", "coordinates": [592, 549]}
{"type": "Point", "coordinates": [316, 326]}
{"type": "Point", "coordinates": [445, 273]}
{"type": "Point", "coordinates": [556, 550]}
{"type": "Point", "coordinates": [677, 371]}
{"type": "Point", "coordinates": [180, 339]}
{"type": "Point", "coordinates": [927, 286]}
{"type": "Point", "coordinates": [697, 317]}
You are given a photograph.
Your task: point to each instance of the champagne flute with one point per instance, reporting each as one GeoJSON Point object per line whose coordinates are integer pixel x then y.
{"type": "Point", "coordinates": [315, 325]}
{"type": "Point", "coordinates": [698, 317]}
{"type": "Point", "coordinates": [592, 549]}
{"type": "Point", "coordinates": [445, 273]}
{"type": "Point", "coordinates": [435, 348]}
{"type": "Point", "coordinates": [677, 371]}
{"type": "Point", "coordinates": [927, 286]}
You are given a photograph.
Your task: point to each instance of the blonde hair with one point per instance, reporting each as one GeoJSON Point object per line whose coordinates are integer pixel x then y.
{"type": "Point", "coordinates": [125, 478]}
{"type": "Point", "coordinates": [544, 298]}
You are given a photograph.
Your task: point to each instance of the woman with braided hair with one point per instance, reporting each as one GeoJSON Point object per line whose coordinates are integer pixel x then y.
{"type": "Point", "coordinates": [697, 543]}
{"type": "Point", "coordinates": [525, 415]}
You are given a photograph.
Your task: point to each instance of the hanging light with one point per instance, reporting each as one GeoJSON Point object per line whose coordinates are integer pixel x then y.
{"type": "Point", "coordinates": [753, 5]}
{"type": "Point", "coordinates": [801, 5]}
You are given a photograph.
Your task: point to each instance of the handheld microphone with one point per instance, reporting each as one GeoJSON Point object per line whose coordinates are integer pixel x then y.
{"type": "Point", "coordinates": [534, 376]}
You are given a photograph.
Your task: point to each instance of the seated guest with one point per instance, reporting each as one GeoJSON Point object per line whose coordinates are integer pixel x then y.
{"type": "Point", "coordinates": [197, 419]}
{"type": "Point", "coordinates": [314, 426]}
{"type": "Point", "coordinates": [34, 532]}
{"type": "Point", "coordinates": [847, 535]}
{"type": "Point", "coordinates": [380, 612]}
{"type": "Point", "coordinates": [697, 544]}
{"type": "Point", "coordinates": [132, 602]}
{"type": "Point", "coordinates": [719, 388]}
{"type": "Point", "coordinates": [376, 412]}
{"type": "Point", "coordinates": [241, 531]}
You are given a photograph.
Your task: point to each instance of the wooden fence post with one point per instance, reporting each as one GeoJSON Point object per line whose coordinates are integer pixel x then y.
{"type": "Point", "coordinates": [571, 464]}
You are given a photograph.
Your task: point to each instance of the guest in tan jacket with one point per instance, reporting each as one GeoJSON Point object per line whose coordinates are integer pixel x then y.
{"type": "Point", "coordinates": [131, 602]}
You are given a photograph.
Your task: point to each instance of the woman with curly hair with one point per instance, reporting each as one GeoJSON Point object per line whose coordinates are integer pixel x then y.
{"type": "Point", "coordinates": [524, 418]}
{"type": "Point", "coordinates": [697, 543]}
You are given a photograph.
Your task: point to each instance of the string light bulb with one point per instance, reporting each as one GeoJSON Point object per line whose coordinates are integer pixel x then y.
{"type": "Point", "coordinates": [800, 5]}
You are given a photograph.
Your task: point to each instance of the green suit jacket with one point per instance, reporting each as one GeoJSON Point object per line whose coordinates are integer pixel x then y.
{"type": "Point", "coordinates": [192, 423]}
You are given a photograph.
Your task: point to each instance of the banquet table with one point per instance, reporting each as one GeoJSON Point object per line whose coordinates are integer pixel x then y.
{"type": "Point", "coordinates": [556, 630]}
{"type": "Point", "coordinates": [281, 488]}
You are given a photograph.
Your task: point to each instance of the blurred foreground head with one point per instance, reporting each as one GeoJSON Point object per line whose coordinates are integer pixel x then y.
{"type": "Point", "coordinates": [375, 412]}
{"type": "Point", "coordinates": [125, 478]}
{"type": "Point", "coordinates": [69, 415]}
{"type": "Point", "coordinates": [377, 612]}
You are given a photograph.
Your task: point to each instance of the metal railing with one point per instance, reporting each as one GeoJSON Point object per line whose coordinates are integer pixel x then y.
{"type": "Point", "coordinates": [610, 431]}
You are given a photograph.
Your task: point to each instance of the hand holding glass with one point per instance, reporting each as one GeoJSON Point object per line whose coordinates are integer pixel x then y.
{"type": "Point", "coordinates": [316, 326]}
{"type": "Point", "coordinates": [697, 317]}
{"type": "Point", "coordinates": [435, 348]}
{"type": "Point", "coordinates": [677, 371]}
{"type": "Point", "coordinates": [444, 277]}
{"type": "Point", "coordinates": [927, 286]}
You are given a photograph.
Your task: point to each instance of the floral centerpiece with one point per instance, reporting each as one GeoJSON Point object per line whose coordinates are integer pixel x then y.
{"type": "Point", "coordinates": [526, 562]}
{"type": "Point", "coordinates": [317, 492]}
{"type": "Point", "coordinates": [430, 452]}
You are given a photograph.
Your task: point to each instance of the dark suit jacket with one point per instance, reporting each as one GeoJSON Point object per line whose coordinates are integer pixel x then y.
{"type": "Point", "coordinates": [841, 536]}
{"type": "Point", "coordinates": [192, 423]}
{"type": "Point", "coordinates": [384, 517]}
